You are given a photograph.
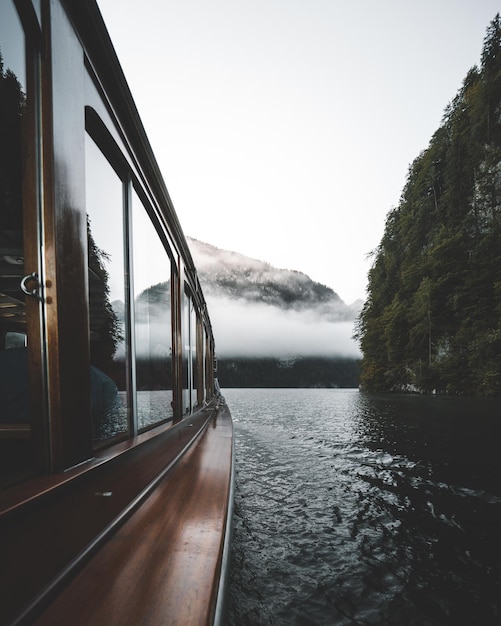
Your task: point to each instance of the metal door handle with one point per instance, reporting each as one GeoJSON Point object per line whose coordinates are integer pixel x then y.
{"type": "Point", "coordinates": [31, 278]}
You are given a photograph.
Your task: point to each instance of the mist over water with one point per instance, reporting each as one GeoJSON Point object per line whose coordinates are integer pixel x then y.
{"type": "Point", "coordinates": [258, 310]}
{"type": "Point", "coordinates": [258, 330]}
{"type": "Point", "coordinates": [358, 509]}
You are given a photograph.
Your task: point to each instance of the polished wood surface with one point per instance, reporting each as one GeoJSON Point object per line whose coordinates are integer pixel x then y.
{"type": "Point", "coordinates": [163, 565]}
{"type": "Point", "coordinates": [48, 524]}
{"type": "Point", "coordinates": [15, 431]}
{"type": "Point", "coordinates": [65, 233]}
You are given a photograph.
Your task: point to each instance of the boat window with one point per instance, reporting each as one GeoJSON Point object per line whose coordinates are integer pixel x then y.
{"type": "Point", "coordinates": [210, 366]}
{"type": "Point", "coordinates": [12, 51]}
{"type": "Point", "coordinates": [207, 365]}
{"type": "Point", "coordinates": [14, 391]}
{"type": "Point", "coordinates": [107, 296]}
{"type": "Point", "coordinates": [193, 353]}
{"type": "Point", "coordinates": [189, 355]}
{"type": "Point", "coordinates": [200, 362]}
{"type": "Point", "coordinates": [152, 320]}
{"type": "Point", "coordinates": [187, 372]}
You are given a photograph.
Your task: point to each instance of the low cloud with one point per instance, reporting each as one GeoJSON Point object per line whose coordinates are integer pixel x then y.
{"type": "Point", "coordinates": [253, 329]}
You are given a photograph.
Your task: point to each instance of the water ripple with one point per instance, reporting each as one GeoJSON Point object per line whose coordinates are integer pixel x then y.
{"type": "Point", "coordinates": [342, 518]}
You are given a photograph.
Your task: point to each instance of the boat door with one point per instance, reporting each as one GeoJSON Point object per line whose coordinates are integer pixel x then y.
{"type": "Point", "coordinates": [23, 450]}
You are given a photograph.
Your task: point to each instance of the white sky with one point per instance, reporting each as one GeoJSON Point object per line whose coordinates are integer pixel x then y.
{"type": "Point", "coordinates": [284, 128]}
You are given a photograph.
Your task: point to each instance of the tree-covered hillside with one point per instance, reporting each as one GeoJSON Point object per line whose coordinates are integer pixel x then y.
{"type": "Point", "coordinates": [236, 276]}
{"type": "Point", "coordinates": [432, 319]}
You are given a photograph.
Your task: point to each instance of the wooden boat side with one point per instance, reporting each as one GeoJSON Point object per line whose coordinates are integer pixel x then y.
{"type": "Point", "coordinates": [69, 485]}
{"type": "Point", "coordinates": [78, 514]}
{"type": "Point", "coordinates": [163, 565]}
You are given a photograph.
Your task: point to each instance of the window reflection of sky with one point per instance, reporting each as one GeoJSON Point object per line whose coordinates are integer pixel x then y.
{"type": "Point", "coordinates": [104, 201]}
{"type": "Point", "coordinates": [151, 263]}
{"type": "Point", "coordinates": [11, 33]}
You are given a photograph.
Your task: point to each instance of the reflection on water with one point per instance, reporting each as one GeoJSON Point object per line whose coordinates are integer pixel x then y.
{"type": "Point", "coordinates": [357, 509]}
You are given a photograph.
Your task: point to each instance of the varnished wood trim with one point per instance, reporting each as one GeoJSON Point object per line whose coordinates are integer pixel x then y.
{"type": "Point", "coordinates": [221, 601]}
{"type": "Point", "coordinates": [49, 525]}
{"type": "Point", "coordinates": [164, 565]}
{"type": "Point", "coordinates": [15, 431]}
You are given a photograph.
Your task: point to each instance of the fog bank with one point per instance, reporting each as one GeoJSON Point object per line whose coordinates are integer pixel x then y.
{"type": "Point", "coordinates": [257, 330]}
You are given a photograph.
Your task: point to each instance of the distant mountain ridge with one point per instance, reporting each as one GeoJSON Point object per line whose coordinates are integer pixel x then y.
{"type": "Point", "coordinates": [226, 274]}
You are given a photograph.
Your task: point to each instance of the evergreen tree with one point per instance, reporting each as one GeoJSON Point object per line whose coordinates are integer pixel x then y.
{"type": "Point", "coordinates": [12, 104]}
{"type": "Point", "coordinates": [432, 320]}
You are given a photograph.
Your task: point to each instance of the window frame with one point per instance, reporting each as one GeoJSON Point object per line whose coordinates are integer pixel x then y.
{"type": "Point", "coordinates": [167, 246]}
{"type": "Point", "coordinates": [98, 131]}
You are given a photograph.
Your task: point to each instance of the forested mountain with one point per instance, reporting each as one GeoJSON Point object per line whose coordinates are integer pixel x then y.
{"type": "Point", "coordinates": [273, 327]}
{"type": "Point", "coordinates": [236, 276]}
{"type": "Point", "coordinates": [432, 319]}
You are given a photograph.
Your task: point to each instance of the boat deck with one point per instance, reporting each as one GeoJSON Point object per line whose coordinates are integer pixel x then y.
{"type": "Point", "coordinates": [163, 565]}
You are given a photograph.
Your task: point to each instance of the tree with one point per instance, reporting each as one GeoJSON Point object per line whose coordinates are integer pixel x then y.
{"type": "Point", "coordinates": [432, 317]}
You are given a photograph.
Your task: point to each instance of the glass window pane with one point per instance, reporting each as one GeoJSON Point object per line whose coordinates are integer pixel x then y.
{"type": "Point", "coordinates": [12, 51]}
{"type": "Point", "coordinates": [186, 356]}
{"type": "Point", "coordinates": [107, 296]}
{"type": "Point", "coordinates": [206, 367]}
{"type": "Point", "coordinates": [15, 453]}
{"type": "Point", "coordinates": [193, 354]}
{"type": "Point", "coordinates": [200, 362]}
{"type": "Point", "coordinates": [152, 320]}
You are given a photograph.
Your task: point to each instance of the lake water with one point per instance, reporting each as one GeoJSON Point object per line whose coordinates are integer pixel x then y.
{"type": "Point", "coordinates": [365, 509]}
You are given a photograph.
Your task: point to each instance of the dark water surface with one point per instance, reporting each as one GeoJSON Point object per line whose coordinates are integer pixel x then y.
{"type": "Point", "coordinates": [365, 509]}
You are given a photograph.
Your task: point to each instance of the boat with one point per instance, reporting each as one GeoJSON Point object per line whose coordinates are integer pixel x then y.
{"type": "Point", "coordinates": [116, 444]}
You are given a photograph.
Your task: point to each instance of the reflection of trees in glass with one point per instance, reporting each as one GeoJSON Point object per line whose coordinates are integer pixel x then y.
{"type": "Point", "coordinates": [12, 103]}
{"type": "Point", "coordinates": [154, 300]}
{"type": "Point", "coordinates": [105, 327]}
